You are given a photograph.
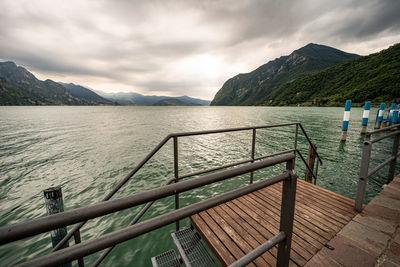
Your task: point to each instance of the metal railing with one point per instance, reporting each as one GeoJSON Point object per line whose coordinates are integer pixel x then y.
{"type": "Point", "coordinates": [365, 173]}
{"type": "Point", "coordinates": [80, 216]}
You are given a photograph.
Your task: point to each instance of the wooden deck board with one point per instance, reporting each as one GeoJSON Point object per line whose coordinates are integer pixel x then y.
{"type": "Point", "coordinates": [235, 228]}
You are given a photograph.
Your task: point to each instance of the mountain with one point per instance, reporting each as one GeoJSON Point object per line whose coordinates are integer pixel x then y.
{"type": "Point", "coordinates": [173, 102]}
{"type": "Point", "coordinates": [148, 100]}
{"type": "Point", "coordinates": [20, 87]}
{"type": "Point", "coordinates": [86, 94]}
{"type": "Point", "coordinates": [373, 78]}
{"type": "Point", "coordinates": [254, 88]}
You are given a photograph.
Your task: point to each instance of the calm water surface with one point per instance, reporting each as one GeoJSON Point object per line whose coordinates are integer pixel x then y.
{"type": "Point", "coordinates": [88, 150]}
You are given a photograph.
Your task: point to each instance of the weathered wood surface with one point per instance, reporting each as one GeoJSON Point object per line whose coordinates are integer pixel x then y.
{"type": "Point", "coordinates": [238, 226]}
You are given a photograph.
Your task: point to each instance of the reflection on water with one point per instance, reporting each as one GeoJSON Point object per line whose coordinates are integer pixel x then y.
{"type": "Point", "coordinates": [88, 150]}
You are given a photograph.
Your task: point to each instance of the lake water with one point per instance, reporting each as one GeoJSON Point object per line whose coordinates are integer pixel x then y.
{"type": "Point", "coordinates": [88, 150]}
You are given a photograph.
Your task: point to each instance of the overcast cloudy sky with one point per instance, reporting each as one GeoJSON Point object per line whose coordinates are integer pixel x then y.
{"type": "Point", "coordinates": [181, 47]}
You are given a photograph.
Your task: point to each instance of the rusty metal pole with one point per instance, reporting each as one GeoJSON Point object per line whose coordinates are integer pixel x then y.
{"type": "Point", "coordinates": [54, 204]}
{"type": "Point", "coordinates": [287, 215]}
{"type": "Point", "coordinates": [363, 178]}
{"type": "Point", "coordinates": [395, 149]}
{"type": "Point", "coordinates": [310, 161]}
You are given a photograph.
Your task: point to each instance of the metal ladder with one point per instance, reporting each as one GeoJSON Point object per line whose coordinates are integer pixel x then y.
{"type": "Point", "coordinates": [192, 251]}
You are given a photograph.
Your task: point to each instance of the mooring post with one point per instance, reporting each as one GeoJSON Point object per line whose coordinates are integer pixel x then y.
{"type": "Point", "coordinates": [346, 118]}
{"type": "Point", "coordinates": [365, 116]}
{"type": "Point", "coordinates": [379, 117]}
{"type": "Point", "coordinates": [310, 161]}
{"type": "Point", "coordinates": [388, 121]}
{"type": "Point", "coordinates": [395, 118]}
{"type": "Point", "coordinates": [54, 204]}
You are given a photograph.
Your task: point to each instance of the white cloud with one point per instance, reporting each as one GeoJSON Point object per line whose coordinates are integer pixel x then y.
{"type": "Point", "coordinates": [179, 47]}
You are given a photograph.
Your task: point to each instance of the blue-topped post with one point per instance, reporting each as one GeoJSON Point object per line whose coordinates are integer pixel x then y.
{"type": "Point", "coordinates": [390, 114]}
{"type": "Point", "coordinates": [346, 118]}
{"type": "Point", "coordinates": [398, 116]}
{"type": "Point", "coordinates": [379, 117]}
{"type": "Point", "coordinates": [395, 117]}
{"type": "Point", "coordinates": [54, 204]}
{"type": "Point", "coordinates": [365, 116]}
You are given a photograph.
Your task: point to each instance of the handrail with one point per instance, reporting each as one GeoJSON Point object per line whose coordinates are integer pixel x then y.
{"type": "Point", "coordinates": [382, 129]}
{"type": "Point", "coordinates": [116, 237]}
{"type": "Point", "coordinates": [309, 141]}
{"type": "Point", "coordinates": [82, 220]}
{"type": "Point", "coordinates": [258, 251]}
{"type": "Point", "coordinates": [365, 160]}
{"type": "Point", "coordinates": [308, 166]}
{"type": "Point", "coordinates": [51, 222]}
{"type": "Point", "coordinates": [162, 143]}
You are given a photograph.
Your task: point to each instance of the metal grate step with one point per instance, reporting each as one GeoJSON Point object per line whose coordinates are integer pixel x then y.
{"type": "Point", "coordinates": [192, 250]}
{"type": "Point", "coordinates": [166, 259]}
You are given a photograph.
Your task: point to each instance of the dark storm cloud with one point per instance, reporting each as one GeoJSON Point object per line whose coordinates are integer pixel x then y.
{"type": "Point", "coordinates": [175, 45]}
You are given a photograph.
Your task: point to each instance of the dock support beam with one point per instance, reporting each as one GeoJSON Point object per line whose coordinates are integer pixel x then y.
{"type": "Point", "coordinates": [54, 204]}
{"type": "Point", "coordinates": [310, 161]}
{"type": "Point", "coordinates": [346, 118]}
{"type": "Point", "coordinates": [365, 116]}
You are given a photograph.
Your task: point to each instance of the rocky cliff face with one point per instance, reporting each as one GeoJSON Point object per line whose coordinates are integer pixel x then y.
{"type": "Point", "coordinates": [254, 88]}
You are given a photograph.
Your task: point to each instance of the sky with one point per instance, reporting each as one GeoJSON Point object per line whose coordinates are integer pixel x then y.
{"type": "Point", "coordinates": [176, 47]}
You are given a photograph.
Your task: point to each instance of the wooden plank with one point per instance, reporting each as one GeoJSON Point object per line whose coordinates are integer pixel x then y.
{"type": "Point", "coordinates": [307, 217]}
{"type": "Point", "coordinates": [301, 229]}
{"type": "Point", "coordinates": [344, 204]}
{"type": "Point", "coordinates": [264, 227]}
{"type": "Point", "coordinates": [322, 217]}
{"type": "Point", "coordinates": [233, 248]}
{"type": "Point", "coordinates": [306, 197]}
{"type": "Point", "coordinates": [325, 202]}
{"type": "Point", "coordinates": [299, 254]}
{"type": "Point", "coordinates": [223, 254]}
{"type": "Point", "coordinates": [235, 236]}
{"type": "Point", "coordinates": [238, 226]}
{"type": "Point", "coordinates": [342, 199]}
{"type": "Point", "coordinates": [248, 236]}
{"type": "Point", "coordinates": [298, 236]}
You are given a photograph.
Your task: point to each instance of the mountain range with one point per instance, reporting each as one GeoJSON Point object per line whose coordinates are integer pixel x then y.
{"type": "Point", "coordinates": [18, 86]}
{"type": "Point", "coordinates": [317, 75]}
{"type": "Point", "coordinates": [149, 100]}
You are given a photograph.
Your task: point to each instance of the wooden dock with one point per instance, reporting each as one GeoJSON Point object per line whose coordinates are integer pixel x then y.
{"type": "Point", "coordinates": [238, 226]}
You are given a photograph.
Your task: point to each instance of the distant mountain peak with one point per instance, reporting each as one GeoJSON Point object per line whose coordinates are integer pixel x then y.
{"type": "Point", "coordinates": [254, 87]}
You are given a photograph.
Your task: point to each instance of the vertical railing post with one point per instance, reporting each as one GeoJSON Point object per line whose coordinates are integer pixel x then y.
{"type": "Point", "coordinates": [77, 237]}
{"type": "Point", "coordinates": [253, 149]}
{"type": "Point", "coordinates": [295, 144]}
{"type": "Point", "coordinates": [54, 204]}
{"type": "Point", "coordinates": [363, 178]}
{"type": "Point", "coordinates": [395, 150]}
{"type": "Point", "coordinates": [287, 215]}
{"type": "Point", "coordinates": [176, 173]}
